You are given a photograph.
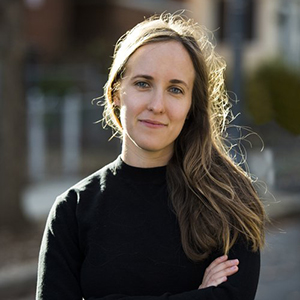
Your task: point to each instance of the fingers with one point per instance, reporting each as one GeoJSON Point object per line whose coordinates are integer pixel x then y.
{"type": "Point", "coordinates": [217, 262]}
{"type": "Point", "coordinates": [221, 266]}
{"type": "Point", "coordinates": [218, 271]}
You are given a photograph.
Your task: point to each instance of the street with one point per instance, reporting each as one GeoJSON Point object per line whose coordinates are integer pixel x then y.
{"type": "Point", "coordinates": [280, 271]}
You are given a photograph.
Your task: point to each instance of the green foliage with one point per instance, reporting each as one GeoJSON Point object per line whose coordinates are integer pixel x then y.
{"type": "Point", "coordinates": [273, 93]}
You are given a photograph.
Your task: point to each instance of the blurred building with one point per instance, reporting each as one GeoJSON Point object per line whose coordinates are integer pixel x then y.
{"type": "Point", "coordinates": [66, 30]}
{"type": "Point", "coordinates": [271, 27]}
{"type": "Point", "coordinates": [73, 30]}
{"type": "Point", "coordinates": [70, 43]}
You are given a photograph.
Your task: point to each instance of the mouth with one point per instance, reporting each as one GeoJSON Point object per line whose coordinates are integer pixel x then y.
{"type": "Point", "coordinates": [153, 123]}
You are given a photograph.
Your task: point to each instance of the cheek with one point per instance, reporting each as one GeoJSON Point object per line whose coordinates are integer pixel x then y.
{"type": "Point", "coordinates": [132, 104]}
{"type": "Point", "coordinates": [181, 114]}
{"type": "Point", "coordinates": [179, 123]}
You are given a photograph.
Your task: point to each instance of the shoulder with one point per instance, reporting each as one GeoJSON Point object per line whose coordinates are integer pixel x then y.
{"type": "Point", "coordinates": [88, 187]}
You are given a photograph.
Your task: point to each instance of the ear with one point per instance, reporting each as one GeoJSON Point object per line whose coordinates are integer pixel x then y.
{"type": "Point", "coordinates": [116, 99]}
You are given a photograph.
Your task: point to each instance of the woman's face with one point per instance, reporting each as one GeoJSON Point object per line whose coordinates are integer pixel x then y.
{"type": "Point", "coordinates": [155, 97]}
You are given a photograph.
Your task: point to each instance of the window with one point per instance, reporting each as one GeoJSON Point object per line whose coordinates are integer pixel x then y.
{"type": "Point", "coordinates": [240, 11]}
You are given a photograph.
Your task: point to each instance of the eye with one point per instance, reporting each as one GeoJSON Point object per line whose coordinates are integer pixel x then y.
{"type": "Point", "coordinates": [142, 84]}
{"type": "Point", "coordinates": [176, 90]}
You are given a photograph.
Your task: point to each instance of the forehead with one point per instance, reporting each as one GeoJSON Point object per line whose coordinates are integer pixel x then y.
{"type": "Point", "coordinates": [168, 57]}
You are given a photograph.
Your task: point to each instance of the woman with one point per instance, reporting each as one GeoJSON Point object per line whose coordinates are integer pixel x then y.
{"type": "Point", "coordinates": [173, 217]}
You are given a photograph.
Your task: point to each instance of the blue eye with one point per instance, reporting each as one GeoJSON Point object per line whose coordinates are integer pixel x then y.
{"type": "Point", "coordinates": [142, 84]}
{"type": "Point", "coordinates": [175, 90]}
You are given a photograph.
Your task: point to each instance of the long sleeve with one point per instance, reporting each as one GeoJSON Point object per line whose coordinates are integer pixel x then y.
{"type": "Point", "coordinates": [60, 258]}
{"type": "Point", "coordinates": [113, 236]}
{"type": "Point", "coordinates": [240, 286]}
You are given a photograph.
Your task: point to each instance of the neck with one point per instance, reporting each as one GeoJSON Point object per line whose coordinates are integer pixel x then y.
{"type": "Point", "coordinates": [140, 158]}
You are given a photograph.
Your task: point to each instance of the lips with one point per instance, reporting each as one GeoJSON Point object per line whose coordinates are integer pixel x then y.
{"type": "Point", "coordinates": [152, 123]}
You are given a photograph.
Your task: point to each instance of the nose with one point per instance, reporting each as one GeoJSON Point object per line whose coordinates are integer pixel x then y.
{"type": "Point", "coordinates": [157, 103]}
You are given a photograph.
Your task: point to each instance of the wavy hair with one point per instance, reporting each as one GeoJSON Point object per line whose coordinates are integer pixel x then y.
{"type": "Point", "coordinates": [213, 198]}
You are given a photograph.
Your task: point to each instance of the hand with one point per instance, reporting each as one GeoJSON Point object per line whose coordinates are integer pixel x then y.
{"type": "Point", "coordinates": [218, 271]}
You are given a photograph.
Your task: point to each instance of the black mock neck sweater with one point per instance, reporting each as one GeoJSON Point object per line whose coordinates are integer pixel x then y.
{"type": "Point", "coordinates": [114, 235]}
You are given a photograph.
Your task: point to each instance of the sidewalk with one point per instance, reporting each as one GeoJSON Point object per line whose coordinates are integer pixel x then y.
{"type": "Point", "coordinates": [39, 198]}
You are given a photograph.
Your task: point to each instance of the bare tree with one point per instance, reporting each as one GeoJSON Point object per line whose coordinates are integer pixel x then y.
{"type": "Point", "coordinates": [12, 114]}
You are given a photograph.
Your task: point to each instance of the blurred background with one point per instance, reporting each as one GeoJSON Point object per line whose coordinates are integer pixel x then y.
{"type": "Point", "coordinates": [54, 60]}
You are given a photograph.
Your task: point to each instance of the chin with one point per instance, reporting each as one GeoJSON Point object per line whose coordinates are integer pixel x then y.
{"type": "Point", "coordinates": [150, 144]}
{"type": "Point", "coordinates": [155, 148]}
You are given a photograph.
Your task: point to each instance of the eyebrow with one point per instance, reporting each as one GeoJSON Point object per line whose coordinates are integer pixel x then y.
{"type": "Point", "coordinates": [179, 82]}
{"type": "Point", "coordinates": [148, 77]}
{"type": "Point", "coordinates": [143, 76]}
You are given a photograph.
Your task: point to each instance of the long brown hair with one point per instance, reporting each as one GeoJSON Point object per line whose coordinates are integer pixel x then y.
{"type": "Point", "coordinates": [213, 198]}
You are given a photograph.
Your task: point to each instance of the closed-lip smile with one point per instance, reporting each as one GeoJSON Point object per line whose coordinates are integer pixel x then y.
{"type": "Point", "coordinates": [153, 123]}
